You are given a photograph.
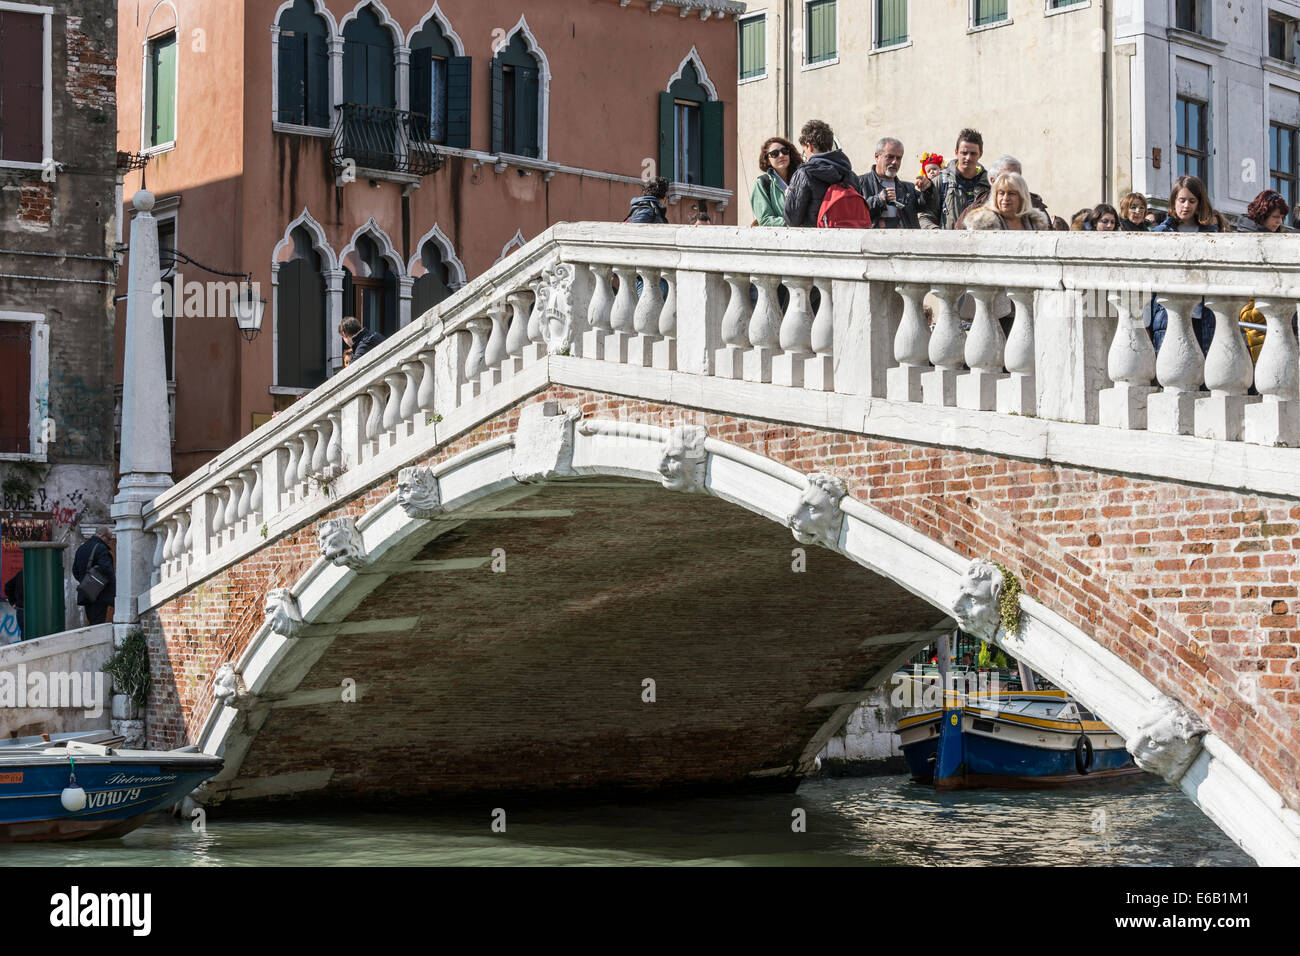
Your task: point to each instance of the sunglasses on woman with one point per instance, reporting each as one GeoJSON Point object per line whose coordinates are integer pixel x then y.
{"type": "Point", "coordinates": [779, 151]}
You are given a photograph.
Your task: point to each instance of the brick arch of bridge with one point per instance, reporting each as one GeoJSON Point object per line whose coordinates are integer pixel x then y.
{"type": "Point", "coordinates": [1137, 592]}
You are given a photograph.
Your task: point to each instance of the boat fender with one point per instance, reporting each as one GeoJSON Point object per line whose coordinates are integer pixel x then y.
{"type": "Point", "coordinates": [1083, 754]}
{"type": "Point", "coordinates": [73, 796]}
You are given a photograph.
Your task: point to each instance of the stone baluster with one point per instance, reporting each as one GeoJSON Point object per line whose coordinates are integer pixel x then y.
{"type": "Point", "coordinates": [911, 346]}
{"type": "Point", "coordinates": [1131, 365]}
{"type": "Point", "coordinates": [518, 342]}
{"type": "Point", "coordinates": [819, 371]}
{"type": "Point", "coordinates": [598, 313]}
{"type": "Point", "coordinates": [977, 389]}
{"type": "Point", "coordinates": [425, 397]}
{"type": "Point", "coordinates": [665, 347]}
{"type": "Point", "coordinates": [1275, 420]}
{"type": "Point", "coordinates": [535, 350]}
{"type": "Point", "coordinates": [218, 512]}
{"type": "Point", "coordinates": [184, 540]}
{"type": "Point", "coordinates": [618, 347]}
{"type": "Point", "coordinates": [764, 331]}
{"type": "Point", "coordinates": [497, 351]}
{"type": "Point", "coordinates": [289, 485]}
{"type": "Point", "coordinates": [947, 349]}
{"type": "Point", "coordinates": [393, 408]}
{"type": "Point", "coordinates": [1228, 374]}
{"type": "Point", "coordinates": [474, 364]}
{"type": "Point", "coordinates": [334, 447]}
{"type": "Point", "coordinates": [304, 461]}
{"type": "Point", "coordinates": [794, 336]}
{"type": "Point", "coordinates": [729, 360]}
{"type": "Point", "coordinates": [163, 535]}
{"type": "Point", "coordinates": [196, 531]}
{"type": "Point", "coordinates": [230, 520]}
{"type": "Point", "coordinates": [410, 401]}
{"type": "Point", "coordinates": [1180, 370]}
{"type": "Point", "coordinates": [1017, 394]}
{"type": "Point", "coordinates": [375, 412]}
{"type": "Point", "coordinates": [257, 494]}
{"type": "Point", "coordinates": [245, 506]}
{"type": "Point", "coordinates": [645, 320]}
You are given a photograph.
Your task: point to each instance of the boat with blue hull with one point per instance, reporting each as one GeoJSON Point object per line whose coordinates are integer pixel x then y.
{"type": "Point", "coordinates": [1026, 739]}
{"type": "Point", "coordinates": [76, 786]}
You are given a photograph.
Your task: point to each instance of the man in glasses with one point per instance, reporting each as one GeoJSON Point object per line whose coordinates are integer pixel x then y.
{"type": "Point", "coordinates": [893, 203]}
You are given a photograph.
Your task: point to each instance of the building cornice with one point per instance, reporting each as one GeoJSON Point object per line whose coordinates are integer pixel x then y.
{"type": "Point", "coordinates": [706, 8]}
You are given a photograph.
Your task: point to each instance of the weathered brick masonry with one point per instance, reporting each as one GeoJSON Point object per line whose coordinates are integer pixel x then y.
{"type": "Point", "coordinates": [1194, 587]}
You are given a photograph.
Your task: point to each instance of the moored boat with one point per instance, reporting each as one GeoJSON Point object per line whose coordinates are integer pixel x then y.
{"type": "Point", "coordinates": [80, 785]}
{"type": "Point", "coordinates": [1023, 739]}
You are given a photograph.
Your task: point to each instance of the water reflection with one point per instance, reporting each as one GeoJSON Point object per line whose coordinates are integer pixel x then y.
{"type": "Point", "coordinates": [878, 821]}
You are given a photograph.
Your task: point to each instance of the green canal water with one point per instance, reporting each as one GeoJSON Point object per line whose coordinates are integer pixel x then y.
{"type": "Point", "coordinates": [868, 821]}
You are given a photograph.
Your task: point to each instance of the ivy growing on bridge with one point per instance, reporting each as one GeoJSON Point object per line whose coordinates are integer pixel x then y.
{"type": "Point", "coordinates": [129, 668]}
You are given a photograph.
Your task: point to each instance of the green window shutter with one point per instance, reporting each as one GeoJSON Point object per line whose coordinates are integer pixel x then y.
{"type": "Point", "coordinates": [459, 77]}
{"type": "Point", "coordinates": [892, 17]}
{"type": "Point", "coordinates": [753, 47]}
{"type": "Point", "coordinates": [318, 82]}
{"type": "Point", "coordinates": [527, 106]}
{"type": "Point", "coordinates": [990, 11]}
{"type": "Point", "coordinates": [711, 144]}
{"type": "Point", "coordinates": [291, 78]}
{"type": "Point", "coordinates": [498, 106]}
{"type": "Point", "coordinates": [667, 135]}
{"type": "Point", "coordinates": [163, 78]}
{"type": "Point", "coordinates": [821, 31]}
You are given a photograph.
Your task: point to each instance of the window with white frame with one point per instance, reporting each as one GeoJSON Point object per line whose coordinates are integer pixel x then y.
{"type": "Point", "coordinates": [1282, 166]}
{"type": "Point", "coordinates": [303, 67]}
{"type": "Point", "coordinates": [26, 129]}
{"type": "Point", "coordinates": [24, 383]}
{"type": "Point", "coordinates": [891, 23]}
{"type": "Point", "coordinates": [753, 47]}
{"type": "Point", "coordinates": [984, 12]}
{"type": "Point", "coordinates": [160, 91]}
{"type": "Point", "coordinates": [1192, 139]}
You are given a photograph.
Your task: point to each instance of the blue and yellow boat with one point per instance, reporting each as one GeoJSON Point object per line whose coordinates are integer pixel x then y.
{"type": "Point", "coordinates": [1022, 739]}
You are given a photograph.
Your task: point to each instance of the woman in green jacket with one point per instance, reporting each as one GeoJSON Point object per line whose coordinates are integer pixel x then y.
{"type": "Point", "coordinates": [777, 160]}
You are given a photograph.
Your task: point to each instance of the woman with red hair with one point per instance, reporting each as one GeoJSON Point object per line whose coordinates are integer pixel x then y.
{"type": "Point", "coordinates": [1265, 213]}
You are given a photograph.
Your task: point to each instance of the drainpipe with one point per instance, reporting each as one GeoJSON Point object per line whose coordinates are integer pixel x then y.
{"type": "Point", "coordinates": [787, 81]}
{"type": "Point", "coordinates": [1106, 96]}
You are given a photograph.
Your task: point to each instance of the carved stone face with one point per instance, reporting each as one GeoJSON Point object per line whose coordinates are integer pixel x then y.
{"type": "Point", "coordinates": [817, 517]}
{"type": "Point", "coordinates": [417, 492]}
{"type": "Point", "coordinates": [340, 542]}
{"type": "Point", "coordinates": [225, 686]}
{"type": "Point", "coordinates": [282, 613]}
{"type": "Point", "coordinates": [1168, 738]}
{"type": "Point", "coordinates": [684, 460]}
{"type": "Point", "coordinates": [976, 608]}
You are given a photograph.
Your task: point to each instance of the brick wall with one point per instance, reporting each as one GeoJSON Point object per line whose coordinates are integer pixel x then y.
{"type": "Point", "coordinates": [1195, 588]}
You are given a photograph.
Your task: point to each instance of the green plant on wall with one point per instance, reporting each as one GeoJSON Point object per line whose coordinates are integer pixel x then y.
{"type": "Point", "coordinates": [129, 668]}
{"type": "Point", "coordinates": [20, 480]}
{"type": "Point", "coordinates": [1009, 600]}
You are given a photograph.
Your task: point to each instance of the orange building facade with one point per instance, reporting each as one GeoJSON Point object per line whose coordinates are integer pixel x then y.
{"type": "Point", "coordinates": [369, 158]}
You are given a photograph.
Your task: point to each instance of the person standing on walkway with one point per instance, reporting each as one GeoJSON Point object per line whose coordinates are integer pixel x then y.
{"type": "Point", "coordinates": [777, 161]}
{"type": "Point", "coordinates": [92, 567]}
{"type": "Point", "coordinates": [359, 340]}
{"type": "Point", "coordinates": [649, 207]}
{"type": "Point", "coordinates": [893, 203]}
{"type": "Point", "coordinates": [957, 185]}
{"type": "Point", "coordinates": [824, 166]}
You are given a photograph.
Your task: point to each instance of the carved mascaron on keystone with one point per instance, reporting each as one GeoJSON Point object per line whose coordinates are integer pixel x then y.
{"type": "Point", "coordinates": [1168, 739]}
{"type": "Point", "coordinates": [340, 543]}
{"type": "Point", "coordinates": [977, 609]}
{"type": "Point", "coordinates": [417, 492]}
{"type": "Point", "coordinates": [555, 305]}
{"type": "Point", "coordinates": [685, 462]}
{"type": "Point", "coordinates": [227, 686]}
{"type": "Point", "coordinates": [282, 613]}
{"type": "Point", "coordinates": [817, 518]}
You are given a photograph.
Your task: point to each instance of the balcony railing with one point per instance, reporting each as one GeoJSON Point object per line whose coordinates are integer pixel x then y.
{"type": "Point", "coordinates": [385, 139]}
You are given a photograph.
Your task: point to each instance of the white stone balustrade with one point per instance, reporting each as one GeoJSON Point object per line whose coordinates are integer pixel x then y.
{"type": "Point", "coordinates": [853, 329]}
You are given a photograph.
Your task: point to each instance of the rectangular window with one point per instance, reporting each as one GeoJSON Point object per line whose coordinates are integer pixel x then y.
{"type": "Point", "coordinates": [1060, 4]}
{"type": "Point", "coordinates": [167, 275]}
{"type": "Point", "coordinates": [990, 11]}
{"type": "Point", "coordinates": [1187, 16]}
{"type": "Point", "coordinates": [160, 96]}
{"type": "Point", "coordinates": [15, 388]}
{"type": "Point", "coordinates": [891, 22]}
{"type": "Point", "coordinates": [1193, 154]}
{"type": "Point", "coordinates": [1281, 37]}
{"type": "Point", "coordinates": [1283, 174]}
{"type": "Point", "coordinates": [687, 165]}
{"type": "Point", "coordinates": [753, 47]}
{"type": "Point", "coordinates": [819, 29]}
{"type": "Point", "coordinates": [23, 134]}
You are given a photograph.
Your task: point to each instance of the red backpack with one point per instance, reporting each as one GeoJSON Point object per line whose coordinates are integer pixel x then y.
{"type": "Point", "coordinates": [843, 208]}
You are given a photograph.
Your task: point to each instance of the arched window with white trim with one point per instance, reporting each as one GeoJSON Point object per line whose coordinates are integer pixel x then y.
{"type": "Point", "coordinates": [691, 127]}
{"type": "Point", "coordinates": [436, 272]}
{"type": "Point", "coordinates": [303, 67]}
{"type": "Point", "coordinates": [300, 315]}
{"type": "Point", "coordinates": [521, 82]}
{"type": "Point", "coordinates": [440, 77]}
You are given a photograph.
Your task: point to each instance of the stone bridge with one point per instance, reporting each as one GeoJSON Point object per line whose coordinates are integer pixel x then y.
{"type": "Point", "coordinates": [652, 507]}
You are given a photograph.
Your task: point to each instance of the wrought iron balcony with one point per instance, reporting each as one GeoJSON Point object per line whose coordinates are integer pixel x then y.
{"type": "Point", "coordinates": [382, 138]}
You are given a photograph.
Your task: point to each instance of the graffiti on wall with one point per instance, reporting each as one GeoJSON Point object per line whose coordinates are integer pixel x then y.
{"type": "Point", "coordinates": [81, 412]}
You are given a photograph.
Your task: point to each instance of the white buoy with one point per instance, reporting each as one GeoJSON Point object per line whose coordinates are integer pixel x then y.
{"type": "Point", "coordinates": [73, 797]}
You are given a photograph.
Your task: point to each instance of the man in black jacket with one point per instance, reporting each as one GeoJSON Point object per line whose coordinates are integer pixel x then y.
{"type": "Point", "coordinates": [893, 203]}
{"type": "Point", "coordinates": [94, 553]}
{"type": "Point", "coordinates": [649, 207]}
{"type": "Point", "coordinates": [824, 167]}
{"type": "Point", "coordinates": [359, 340]}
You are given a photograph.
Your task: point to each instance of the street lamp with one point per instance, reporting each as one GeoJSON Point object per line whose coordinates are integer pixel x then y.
{"type": "Point", "coordinates": [249, 308]}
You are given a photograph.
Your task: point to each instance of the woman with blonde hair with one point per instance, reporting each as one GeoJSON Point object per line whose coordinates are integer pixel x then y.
{"type": "Point", "coordinates": [1133, 213]}
{"type": "Point", "coordinates": [777, 161]}
{"type": "Point", "coordinates": [1008, 207]}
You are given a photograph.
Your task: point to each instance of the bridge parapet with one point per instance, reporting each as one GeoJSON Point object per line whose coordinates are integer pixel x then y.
{"type": "Point", "coordinates": [808, 326]}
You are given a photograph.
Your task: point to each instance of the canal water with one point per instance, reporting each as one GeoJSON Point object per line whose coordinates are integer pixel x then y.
{"type": "Point", "coordinates": [869, 821]}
